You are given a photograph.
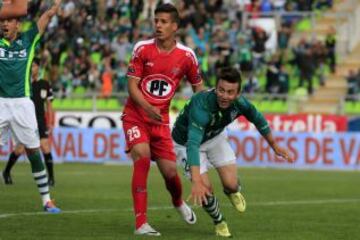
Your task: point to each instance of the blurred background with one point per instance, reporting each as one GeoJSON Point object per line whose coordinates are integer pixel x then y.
{"type": "Point", "coordinates": [299, 61]}
{"type": "Point", "coordinates": [295, 55]}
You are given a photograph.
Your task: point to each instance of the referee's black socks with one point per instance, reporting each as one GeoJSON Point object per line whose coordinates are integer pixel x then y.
{"type": "Point", "coordinates": [49, 165]}
{"type": "Point", "coordinates": [11, 162]}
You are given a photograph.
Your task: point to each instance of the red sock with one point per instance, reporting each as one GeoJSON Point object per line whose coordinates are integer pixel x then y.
{"type": "Point", "coordinates": [173, 185]}
{"type": "Point", "coordinates": [138, 188]}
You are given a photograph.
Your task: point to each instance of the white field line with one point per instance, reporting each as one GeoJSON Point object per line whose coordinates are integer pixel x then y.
{"type": "Point", "coordinates": [271, 203]}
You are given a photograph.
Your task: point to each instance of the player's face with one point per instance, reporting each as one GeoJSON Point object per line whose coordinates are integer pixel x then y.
{"type": "Point", "coordinates": [10, 28]}
{"type": "Point", "coordinates": [226, 93]}
{"type": "Point", "coordinates": [165, 27]}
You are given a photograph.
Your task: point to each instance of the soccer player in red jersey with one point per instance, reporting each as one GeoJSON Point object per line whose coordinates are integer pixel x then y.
{"type": "Point", "coordinates": [155, 71]}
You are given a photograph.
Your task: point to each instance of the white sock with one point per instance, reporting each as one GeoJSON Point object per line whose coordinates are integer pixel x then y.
{"type": "Point", "coordinates": [41, 180]}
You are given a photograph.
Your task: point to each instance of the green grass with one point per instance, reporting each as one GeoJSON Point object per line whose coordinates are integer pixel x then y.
{"type": "Point", "coordinates": [282, 204]}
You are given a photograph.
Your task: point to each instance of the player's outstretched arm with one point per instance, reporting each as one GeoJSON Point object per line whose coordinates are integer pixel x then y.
{"type": "Point", "coordinates": [13, 9]}
{"type": "Point", "coordinates": [47, 15]}
{"type": "Point", "coordinates": [279, 151]}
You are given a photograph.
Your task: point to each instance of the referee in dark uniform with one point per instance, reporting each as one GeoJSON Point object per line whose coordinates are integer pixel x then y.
{"type": "Point", "coordinates": [42, 95]}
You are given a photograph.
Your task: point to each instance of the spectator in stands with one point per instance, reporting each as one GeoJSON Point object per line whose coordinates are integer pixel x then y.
{"type": "Point", "coordinates": [321, 4]}
{"type": "Point", "coordinates": [254, 8]}
{"type": "Point", "coordinates": [284, 81]}
{"type": "Point", "coordinates": [304, 60]}
{"type": "Point", "coordinates": [330, 43]}
{"type": "Point", "coordinates": [258, 50]}
{"type": "Point", "coordinates": [252, 85]}
{"type": "Point", "coordinates": [353, 84]}
{"type": "Point", "coordinates": [283, 38]}
{"type": "Point", "coordinates": [279, 5]}
{"type": "Point", "coordinates": [213, 6]}
{"type": "Point", "coordinates": [121, 47]}
{"type": "Point", "coordinates": [89, 31]}
{"type": "Point", "coordinates": [121, 79]}
{"type": "Point", "coordinates": [107, 85]}
{"type": "Point", "coordinates": [243, 55]}
{"type": "Point", "coordinates": [266, 6]}
{"type": "Point", "coordinates": [272, 76]}
{"type": "Point", "coordinates": [306, 64]}
{"type": "Point", "coordinates": [66, 83]}
{"type": "Point", "coordinates": [320, 56]}
{"type": "Point", "coordinates": [289, 19]}
{"type": "Point", "coordinates": [94, 77]}
{"type": "Point", "coordinates": [203, 59]}
{"type": "Point", "coordinates": [304, 5]}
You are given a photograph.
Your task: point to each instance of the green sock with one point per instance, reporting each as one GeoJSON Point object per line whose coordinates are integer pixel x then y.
{"type": "Point", "coordinates": [36, 163]}
{"type": "Point", "coordinates": [40, 176]}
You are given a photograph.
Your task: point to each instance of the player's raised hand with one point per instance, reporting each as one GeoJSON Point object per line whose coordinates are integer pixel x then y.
{"type": "Point", "coordinates": [199, 193]}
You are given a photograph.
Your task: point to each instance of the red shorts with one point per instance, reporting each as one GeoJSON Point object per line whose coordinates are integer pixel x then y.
{"type": "Point", "coordinates": [158, 136]}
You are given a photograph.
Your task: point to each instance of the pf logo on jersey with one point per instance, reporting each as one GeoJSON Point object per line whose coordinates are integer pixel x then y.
{"type": "Point", "coordinates": [158, 87]}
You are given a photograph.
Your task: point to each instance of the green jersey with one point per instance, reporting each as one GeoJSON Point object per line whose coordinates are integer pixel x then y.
{"type": "Point", "coordinates": [202, 119]}
{"type": "Point", "coordinates": [15, 64]}
{"type": "Point", "coordinates": [1, 4]}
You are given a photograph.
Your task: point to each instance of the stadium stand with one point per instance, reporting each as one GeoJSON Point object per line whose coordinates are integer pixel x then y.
{"type": "Point", "coordinates": [221, 33]}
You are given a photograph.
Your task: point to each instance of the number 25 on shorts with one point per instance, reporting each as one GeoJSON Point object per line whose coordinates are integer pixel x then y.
{"type": "Point", "coordinates": [133, 133]}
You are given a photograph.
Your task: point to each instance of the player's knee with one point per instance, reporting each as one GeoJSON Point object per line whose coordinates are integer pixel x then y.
{"type": "Point", "coordinates": [31, 151]}
{"type": "Point", "coordinates": [20, 149]}
{"type": "Point", "coordinates": [45, 150]}
{"type": "Point", "coordinates": [139, 152]}
{"type": "Point", "coordinates": [45, 147]}
{"type": "Point", "coordinates": [170, 173]}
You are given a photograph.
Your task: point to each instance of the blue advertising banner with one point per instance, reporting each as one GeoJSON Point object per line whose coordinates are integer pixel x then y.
{"type": "Point", "coordinates": [309, 150]}
{"type": "Point", "coordinates": [92, 145]}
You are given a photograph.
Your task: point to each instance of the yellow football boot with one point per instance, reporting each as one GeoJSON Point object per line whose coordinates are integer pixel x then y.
{"type": "Point", "coordinates": [222, 230]}
{"type": "Point", "coordinates": [238, 201]}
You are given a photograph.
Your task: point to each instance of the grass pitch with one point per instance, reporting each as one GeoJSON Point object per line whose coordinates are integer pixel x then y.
{"type": "Point", "coordinates": [96, 204]}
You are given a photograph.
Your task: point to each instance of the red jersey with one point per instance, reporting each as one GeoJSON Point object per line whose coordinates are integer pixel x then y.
{"type": "Point", "coordinates": [160, 74]}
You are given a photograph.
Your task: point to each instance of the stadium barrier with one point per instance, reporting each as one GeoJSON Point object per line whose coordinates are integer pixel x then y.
{"type": "Point", "coordinates": [336, 151]}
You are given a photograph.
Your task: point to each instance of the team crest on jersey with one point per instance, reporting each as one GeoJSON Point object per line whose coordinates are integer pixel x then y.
{"type": "Point", "coordinates": [158, 87]}
{"type": "Point", "coordinates": [43, 93]}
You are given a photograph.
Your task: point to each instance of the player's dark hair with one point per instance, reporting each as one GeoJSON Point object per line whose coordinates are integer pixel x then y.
{"type": "Point", "coordinates": [229, 74]}
{"type": "Point", "coordinates": [169, 8]}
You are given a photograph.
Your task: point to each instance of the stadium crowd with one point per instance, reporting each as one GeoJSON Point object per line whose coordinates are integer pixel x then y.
{"type": "Point", "coordinates": [89, 45]}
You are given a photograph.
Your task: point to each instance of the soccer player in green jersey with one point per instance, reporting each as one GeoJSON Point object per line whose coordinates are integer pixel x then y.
{"type": "Point", "coordinates": [17, 111]}
{"type": "Point", "coordinates": [200, 138]}
{"type": "Point", "coordinates": [41, 96]}
{"type": "Point", "coordinates": [14, 8]}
